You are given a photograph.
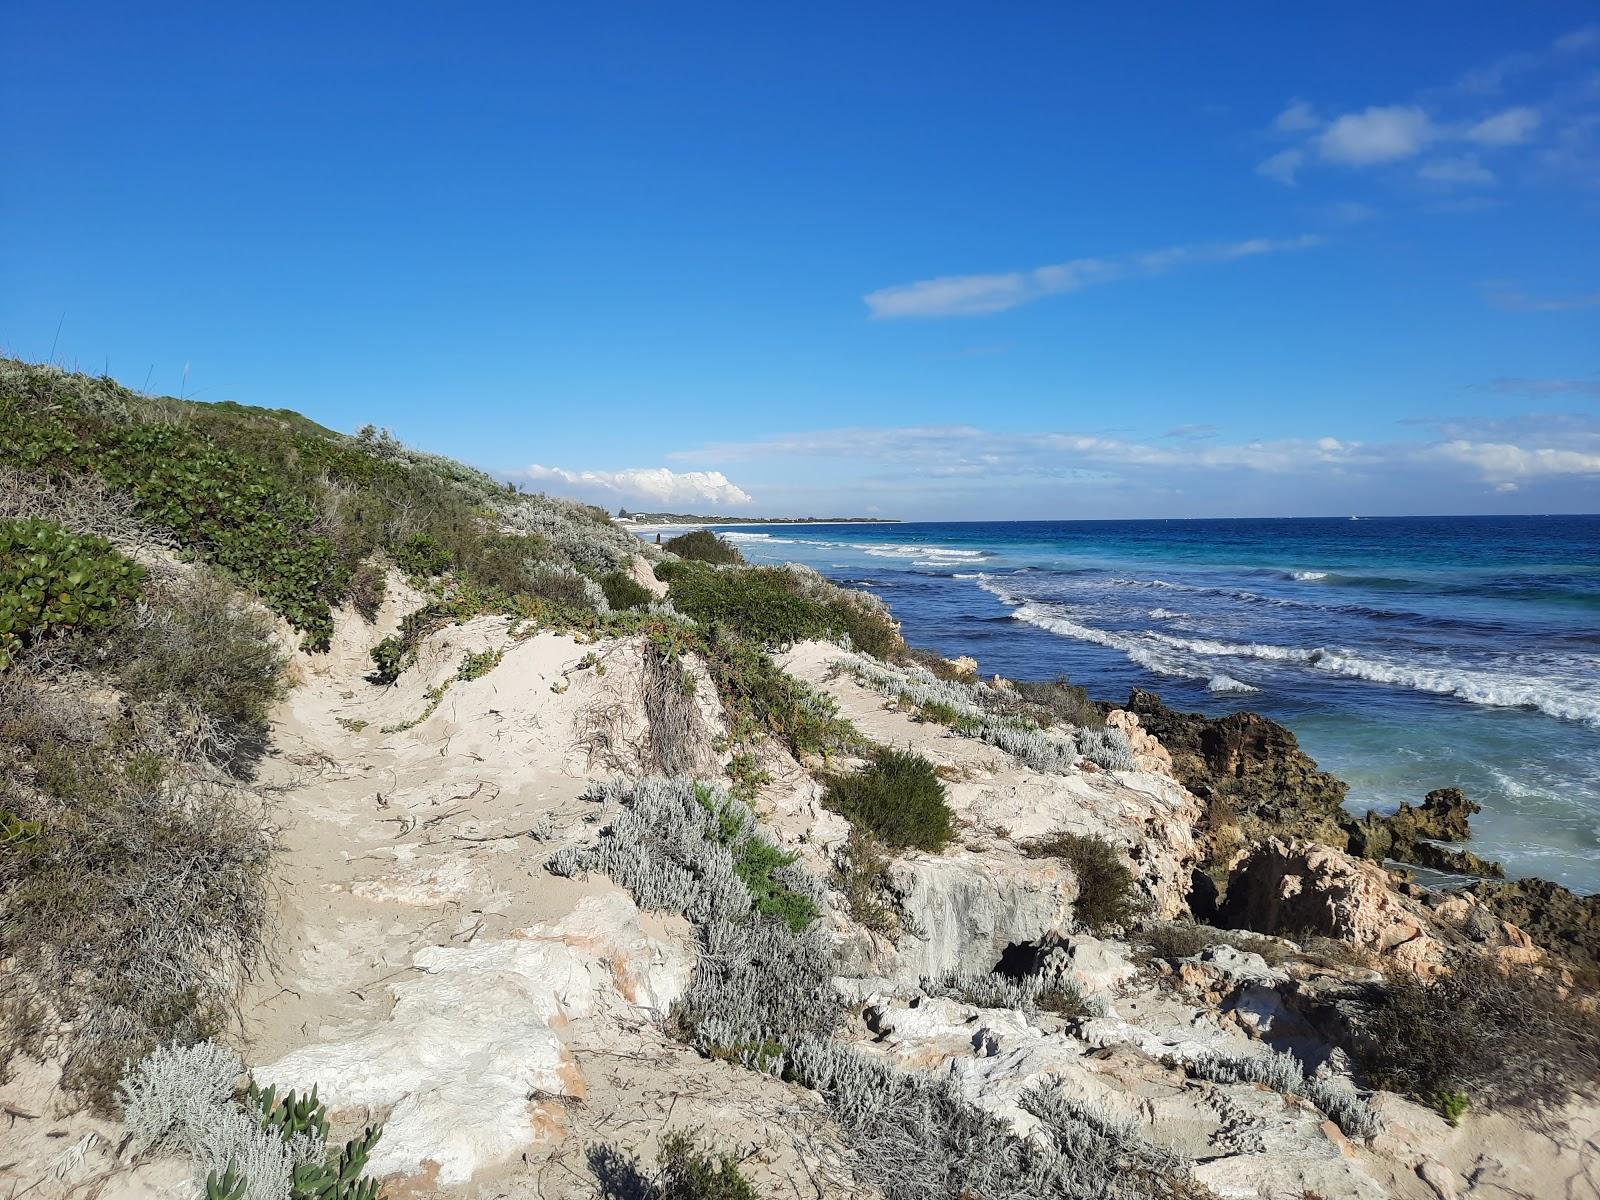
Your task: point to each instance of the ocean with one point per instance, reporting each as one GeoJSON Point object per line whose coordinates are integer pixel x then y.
{"type": "Point", "coordinates": [1406, 653]}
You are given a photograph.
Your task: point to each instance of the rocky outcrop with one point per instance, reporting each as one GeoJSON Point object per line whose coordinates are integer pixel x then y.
{"type": "Point", "coordinates": [1557, 920]}
{"type": "Point", "coordinates": [1250, 771]}
{"type": "Point", "coordinates": [1411, 835]}
{"type": "Point", "coordinates": [1298, 888]}
{"type": "Point", "coordinates": [1149, 755]}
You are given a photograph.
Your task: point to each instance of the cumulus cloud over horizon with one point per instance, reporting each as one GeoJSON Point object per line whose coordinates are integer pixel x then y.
{"type": "Point", "coordinates": [1470, 457]}
{"type": "Point", "coordinates": [654, 485]}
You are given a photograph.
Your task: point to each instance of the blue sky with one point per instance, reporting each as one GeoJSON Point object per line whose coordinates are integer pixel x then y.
{"type": "Point", "coordinates": [931, 260]}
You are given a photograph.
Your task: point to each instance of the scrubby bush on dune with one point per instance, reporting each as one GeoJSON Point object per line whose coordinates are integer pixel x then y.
{"type": "Point", "coordinates": [204, 663]}
{"type": "Point", "coordinates": [181, 1100]}
{"type": "Point", "coordinates": [779, 606]}
{"type": "Point", "coordinates": [1059, 702]}
{"type": "Point", "coordinates": [683, 848]}
{"type": "Point", "coordinates": [701, 545]}
{"type": "Point", "coordinates": [134, 915]}
{"type": "Point", "coordinates": [287, 507]}
{"type": "Point", "coordinates": [898, 797]}
{"type": "Point", "coordinates": [977, 710]}
{"type": "Point", "coordinates": [1282, 1072]}
{"type": "Point", "coordinates": [624, 591]}
{"type": "Point", "coordinates": [1108, 894]}
{"type": "Point", "coordinates": [132, 880]}
{"type": "Point", "coordinates": [1502, 1036]}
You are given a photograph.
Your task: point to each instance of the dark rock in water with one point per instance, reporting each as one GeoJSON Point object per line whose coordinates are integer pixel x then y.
{"type": "Point", "coordinates": [1250, 771]}
{"type": "Point", "coordinates": [1556, 918]}
{"type": "Point", "coordinates": [1443, 816]}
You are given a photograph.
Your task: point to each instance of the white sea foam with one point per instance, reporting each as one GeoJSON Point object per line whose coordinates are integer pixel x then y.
{"type": "Point", "coordinates": [1166, 614]}
{"type": "Point", "coordinates": [1307, 576]}
{"type": "Point", "coordinates": [1511, 686]}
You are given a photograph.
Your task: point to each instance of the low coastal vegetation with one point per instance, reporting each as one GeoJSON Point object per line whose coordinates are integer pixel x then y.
{"type": "Point", "coordinates": [241, 1145]}
{"type": "Point", "coordinates": [762, 994]}
{"type": "Point", "coordinates": [1480, 1033]}
{"type": "Point", "coordinates": [1024, 728]}
{"type": "Point", "coordinates": [701, 545]}
{"type": "Point", "coordinates": [898, 798]}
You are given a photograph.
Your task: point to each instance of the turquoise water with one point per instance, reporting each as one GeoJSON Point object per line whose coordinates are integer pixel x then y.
{"type": "Point", "coordinates": [1406, 653]}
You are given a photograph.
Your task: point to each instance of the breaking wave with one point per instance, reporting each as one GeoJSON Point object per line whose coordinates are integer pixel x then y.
{"type": "Point", "coordinates": [1169, 655]}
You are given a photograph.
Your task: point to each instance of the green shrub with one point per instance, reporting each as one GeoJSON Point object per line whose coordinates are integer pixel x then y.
{"type": "Point", "coordinates": [623, 591]}
{"type": "Point", "coordinates": [862, 876]}
{"type": "Point", "coordinates": [704, 546]}
{"type": "Point", "coordinates": [137, 911]}
{"type": "Point", "coordinates": [760, 698]}
{"type": "Point", "coordinates": [1509, 1037]}
{"type": "Point", "coordinates": [202, 660]}
{"type": "Point", "coordinates": [756, 862]}
{"type": "Point", "coordinates": [389, 658]}
{"type": "Point", "coordinates": [897, 797]}
{"type": "Point", "coordinates": [1173, 940]}
{"type": "Point", "coordinates": [1059, 702]}
{"type": "Point", "coordinates": [758, 603]}
{"type": "Point", "coordinates": [422, 554]}
{"type": "Point", "coordinates": [688, 1171]}
{"type": "Point", "coordinates": [1107, 891]}
{"type": "Point", "coordinates": [52, 581]}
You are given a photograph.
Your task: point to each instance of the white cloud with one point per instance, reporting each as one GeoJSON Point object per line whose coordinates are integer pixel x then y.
{"type": "Point", "coordinates": [1297, 117]}
{"type": "Point", "coordinates": [1502, 462]}
{"type": "Point", "coordinates": [1283, 166]}
{"type": "Point", "coordinates": [1548, 387]}
{"type": "Point", "coordinates": [970, 295]}
{"type": "Point", "coordinates": [1376, 135]}
{"type": "Point", "coordinates": [1465, 170]}
{"type": "Point", "coordinates": [1508, 128]}
{"type": "Point", "coordinates": [655, 485]}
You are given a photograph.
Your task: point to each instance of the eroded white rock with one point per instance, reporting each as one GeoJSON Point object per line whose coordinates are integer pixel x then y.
{"type": "Point", "coordinates": [470, 1057]}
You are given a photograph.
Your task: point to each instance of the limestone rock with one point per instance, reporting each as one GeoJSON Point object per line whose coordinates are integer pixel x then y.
{"type": "Point", "coordinates": [1149, 755]}
{"type": "Point", "coordinates": [1297, 886]}
{"type": "Point", "coordinates": [469, 1057]}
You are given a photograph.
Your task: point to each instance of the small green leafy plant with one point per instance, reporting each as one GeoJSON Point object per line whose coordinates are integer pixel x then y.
{"type": "Point", "coordinates": [52, 581]}
{"type": "Point", "coordinates": [1107, 891]}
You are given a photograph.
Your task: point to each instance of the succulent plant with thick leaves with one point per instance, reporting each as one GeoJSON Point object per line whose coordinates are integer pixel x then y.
{"type": "Point", "coordinates": [53, 581]}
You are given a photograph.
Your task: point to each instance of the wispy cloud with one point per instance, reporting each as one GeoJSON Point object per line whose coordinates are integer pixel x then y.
{"type": "Point", "coordinates": [1547, 387]}
{"type": "Point", "coordinates": [655, 485]}
{"type": "Point", "coordinates": [1506, 463]}
{"type": "Point", "coordinates": [1509, 128]}
{"type": "Point", "coordinates": [1464, 170]}
{"type": "Point", "coordinates": [971, 295]}
{"type": "Point", "coordinates": [974, 457]}
{"type": "Point", "coordinates": [1517, 300]}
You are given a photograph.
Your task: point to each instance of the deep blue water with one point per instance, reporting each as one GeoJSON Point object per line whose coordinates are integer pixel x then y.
{"type": "Point", "coordinates": [1406, 653]}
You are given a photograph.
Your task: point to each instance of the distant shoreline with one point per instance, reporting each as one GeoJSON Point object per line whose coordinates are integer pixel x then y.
{"type": "Point", "coordinates": [687, 521]}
